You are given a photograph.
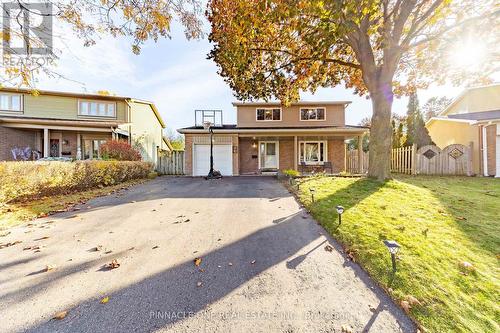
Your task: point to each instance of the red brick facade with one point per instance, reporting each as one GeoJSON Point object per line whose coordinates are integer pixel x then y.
{"type": "Point", "coordinates": [11, 138]}
{"type": "Point", "coordinates": [246, 152]}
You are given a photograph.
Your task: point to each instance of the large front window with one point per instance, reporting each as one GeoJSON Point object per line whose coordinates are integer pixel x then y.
{"type": "Point", "coordinates": [269, 114]}
{"type": "Point", "coordinates": [312, 114]}
{"type": "Point", "coordinates": [91, 148]}
{"type": "Point", "coordinates": [97, 109]}
{"type": "Point", "coordinates": [313, 152]}
{"type": "Point", "coordinates": [11, 102]}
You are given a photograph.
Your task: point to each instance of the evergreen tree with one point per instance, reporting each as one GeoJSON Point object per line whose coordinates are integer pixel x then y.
{"type": "Point", "coordinates": [416, 132]}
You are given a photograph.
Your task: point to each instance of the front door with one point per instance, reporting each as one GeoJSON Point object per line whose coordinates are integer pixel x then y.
{"type": "Point", "coordinates": [268, 151]}
{"type": "Point", "coordinates": [54, 148]}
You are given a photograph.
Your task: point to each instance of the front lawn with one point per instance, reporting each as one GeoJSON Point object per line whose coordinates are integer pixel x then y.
{"type": "Point", "coordinates": [440, 222]}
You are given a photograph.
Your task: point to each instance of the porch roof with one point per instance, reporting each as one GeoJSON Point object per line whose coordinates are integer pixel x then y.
{"type": "Point", "coordinates": [230, 129]}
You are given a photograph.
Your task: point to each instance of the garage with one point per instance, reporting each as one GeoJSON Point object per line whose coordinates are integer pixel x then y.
{"type": "Point", "coordinates": [223, 159]}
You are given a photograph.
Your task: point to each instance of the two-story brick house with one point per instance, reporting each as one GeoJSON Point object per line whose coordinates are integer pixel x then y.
{"type": "Point", "coordinates": [60, 124]}
{"type": "Point", "coordinates": [270, 137]}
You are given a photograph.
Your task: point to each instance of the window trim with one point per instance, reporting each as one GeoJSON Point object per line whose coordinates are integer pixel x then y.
{"type": "Point", "coordinates": [316, 108]}
{"type": "Point", "coordinates": [325, 151]}
{"type": "Point", "coordinates": [21, 101]}
{"type": "Point", "coordinates": [80, 115]}
{"type": "Point", "coordinates": [260, 108]}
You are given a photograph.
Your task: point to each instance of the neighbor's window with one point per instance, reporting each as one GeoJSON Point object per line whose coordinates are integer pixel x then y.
{"type": "Point", "coordinates": [10, 102]}
{"type": "Point", "coordinates": [313, 152]}
{"type": "Point", "coordinates": [312, 114]}
{"type": "Point", "coordinates": [92, 148]}
{"type": "Point", "coordinates": [268, 114]}
{"type": "Point", "coordinates": [97, 109]}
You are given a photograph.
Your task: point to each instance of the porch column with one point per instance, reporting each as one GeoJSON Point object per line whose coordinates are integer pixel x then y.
{"type": "Point", "coordinates": [360, 154]}
{"type": "Point", "coordinates": [46, 142]}
{"type": "Point", "coordinates": [78, 146]}
{"type": "Point", "coordinates": [295, 155]}
{"type": "Point", "coordinates": [485, 153]}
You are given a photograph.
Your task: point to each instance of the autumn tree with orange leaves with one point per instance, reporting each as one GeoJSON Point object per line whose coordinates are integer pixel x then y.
{"type": "Point", "coordinates": [382, 48]}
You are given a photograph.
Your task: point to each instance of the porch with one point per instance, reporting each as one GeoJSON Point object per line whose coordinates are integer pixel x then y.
{"type": "Point", "coordinates": [31, 139]}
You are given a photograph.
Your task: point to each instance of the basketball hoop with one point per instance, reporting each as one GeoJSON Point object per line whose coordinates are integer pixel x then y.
{"type": "Point", "coordinates": [207, 124]}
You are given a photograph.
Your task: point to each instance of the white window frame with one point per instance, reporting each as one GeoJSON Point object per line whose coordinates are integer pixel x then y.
{"type": "Point", "coordinates": [324, 114]}
{"type": "Point", "coordinates": [325, 151]}
{"type": "Point", "coordinates": [10, 95]}
{"type": "Point", "coordinates": [277, 147]}
{"type": "Point", "coordinates": [97, 102]}
{"type": "Point", "coordinates": [257, 118]}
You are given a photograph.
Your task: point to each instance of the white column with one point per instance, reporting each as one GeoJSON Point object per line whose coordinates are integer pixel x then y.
{"type": "Point", "coordinates": [46, 142]}
{"type": "Point", "coordinates": [497, 173]}
{"type": "Point", "coordinates": [485, 153]}
{"type": "Point", "coordinates": [78, 146]}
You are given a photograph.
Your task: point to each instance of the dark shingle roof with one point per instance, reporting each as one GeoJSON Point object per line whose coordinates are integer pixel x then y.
{"type": "Point", "coordinates": [484, 115]}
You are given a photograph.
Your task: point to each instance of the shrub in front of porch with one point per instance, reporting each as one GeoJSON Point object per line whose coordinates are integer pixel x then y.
{"type": "Point", "coordinates": [30, 180]}
{"type": "Point", "coordinates": [119, 150]}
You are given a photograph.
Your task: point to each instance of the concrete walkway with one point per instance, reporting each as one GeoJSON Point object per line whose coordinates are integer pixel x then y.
{"type": "Point", "coordinates": [264, 267]}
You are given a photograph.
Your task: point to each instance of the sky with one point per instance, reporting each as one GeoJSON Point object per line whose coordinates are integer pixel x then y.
{"type": "Point", "coordinates": [176, 76]}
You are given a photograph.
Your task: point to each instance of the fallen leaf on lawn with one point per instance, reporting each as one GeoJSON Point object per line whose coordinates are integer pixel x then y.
{"type": "Point", "coordinates": [197, 262]}
{"type": "Point", "coordinates": [50, 267]}
{"type": "Point", "coordinates": [108, 252]}
{"type": "Point", "coordinates": [461, 218]}
{"type": "Point", "coordinates": [199, 284]}
{"type": "Point", "coordinates": [253, 262]}
{"type": "Point", "coordinates": [113, 264]}
{"type": "Point", "coordinates": [105, 300]}
{"type": "Point", "coordinates": [412, 300]}
{"type": "Point", "coordinates": [186, 220]}
{"type": "Point", "coordinates": [5, 234]}
{"type": "Point", "coordinates": [179, 216]}
{"type": "Point", "coordinates": [97, 248]}
{"type": "Point", "coordinates": [329, 248]}
{"type": "Point", "coordinates": [466, 266]}
{"type": "Point", "coordinates": [130, 249]}
{"type": "Point", "coordinates": [33, 247]}
{"type": "Point", "coordinates": [155, 247]}
{"type": "Point", "coordinates": [406, 306]}
{"type": "Point", "coordinates": [60, 315]}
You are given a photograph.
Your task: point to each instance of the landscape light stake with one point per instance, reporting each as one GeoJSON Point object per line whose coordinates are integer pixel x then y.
{"type": "Point", "coordinates": [340, 211]}
{"type": "Point", "coordinates": [393, 248]}
{"type": "Point", "coordinates": [312, 190]}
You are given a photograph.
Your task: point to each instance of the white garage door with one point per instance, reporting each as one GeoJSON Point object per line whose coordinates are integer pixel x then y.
{"type": "Point", "coordinates": [223, 159]}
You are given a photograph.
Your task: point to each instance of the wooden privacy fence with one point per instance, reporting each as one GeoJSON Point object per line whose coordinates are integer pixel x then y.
{"type": "Point", "coordinates": [403, 160]}
{"type": "Point", "coordinates": [352, 162]}
{"type": "Point", "coordinates": [171, 163]}
{"type": "Point", "coordinates": [454, 159]}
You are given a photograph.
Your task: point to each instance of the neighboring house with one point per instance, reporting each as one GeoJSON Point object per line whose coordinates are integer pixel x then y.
{"type": "Point", "coordinates": [60, 124]}
{"type": "Point", "coordinates": [473, 117]}
{"type": "Point", "coordinates": [269, 137]}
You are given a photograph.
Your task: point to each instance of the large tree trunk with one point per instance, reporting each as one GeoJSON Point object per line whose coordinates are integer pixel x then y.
{"type": "Point", "coordinates": [381, 132]}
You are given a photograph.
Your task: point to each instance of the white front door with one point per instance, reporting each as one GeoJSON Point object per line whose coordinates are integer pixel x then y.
{"type": "Point", "coordinates": [268, 155]}
{"type": "Point", "coordinates": [223, 159]}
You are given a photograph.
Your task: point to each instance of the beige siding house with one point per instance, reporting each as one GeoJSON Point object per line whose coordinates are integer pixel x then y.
{"type": "Point", "coordinates": [268, 137]}
{"type": "Point", "coordinates": [60, 124]}
{"type": "Point", "coordinates": [473, 118]}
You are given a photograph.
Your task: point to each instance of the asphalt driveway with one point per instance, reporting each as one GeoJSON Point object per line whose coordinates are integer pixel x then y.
{"type": "Point", "coordinates": [264, 266]}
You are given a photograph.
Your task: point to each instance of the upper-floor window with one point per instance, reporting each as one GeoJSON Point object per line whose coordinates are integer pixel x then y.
{"type": "Point", "coordinates": [11, 102]}
{"type": "Point", "coordinates": [312, 114]}
{"type": "Point", "coordinates": [268, 114]}
{"type": "Point", "coordinates": [97, 109]}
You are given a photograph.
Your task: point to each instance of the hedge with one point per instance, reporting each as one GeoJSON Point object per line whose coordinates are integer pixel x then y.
{"type": "Point", "coordinates": [27, 180]}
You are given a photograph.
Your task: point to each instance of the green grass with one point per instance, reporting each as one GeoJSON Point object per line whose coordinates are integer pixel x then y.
{"type": "Point", "coordinates": [439, 222]}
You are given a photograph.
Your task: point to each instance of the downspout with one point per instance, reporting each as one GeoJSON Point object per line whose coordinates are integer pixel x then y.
{"type": "Point", "coordinates": [485, 153]}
